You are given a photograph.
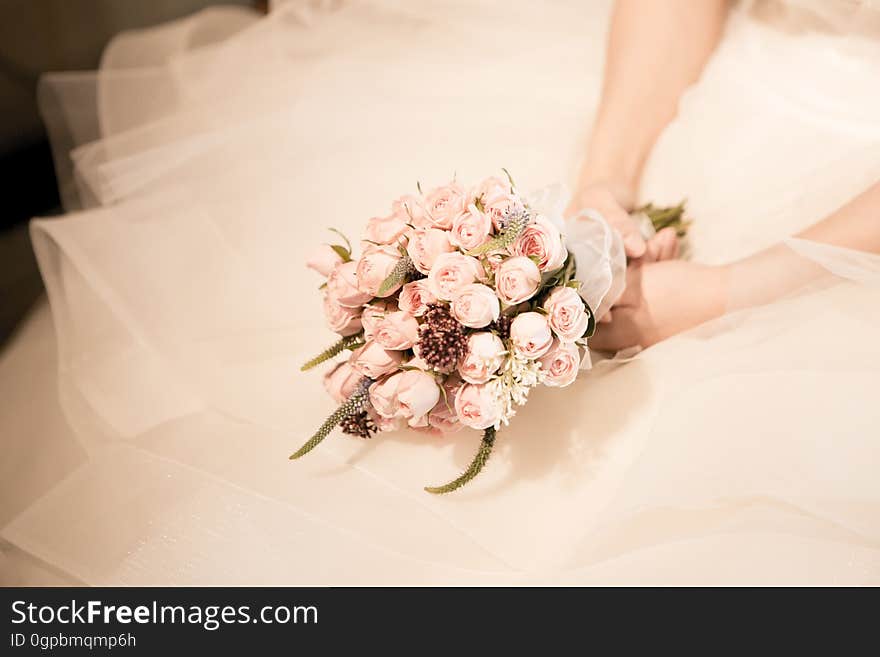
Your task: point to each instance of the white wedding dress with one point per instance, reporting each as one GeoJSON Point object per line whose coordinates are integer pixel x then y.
{"type": "Point", "coordinates": [209, 157]}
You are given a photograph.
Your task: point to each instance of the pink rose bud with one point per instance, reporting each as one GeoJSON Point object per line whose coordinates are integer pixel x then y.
{"type": "Point", "coordinates": [342, 286]}
{"type": "Point", "coordinates": [516, 280]}
{"type": "Point", "coordinates": [531, 335]}
{"type": "Point", "coordinates": [417, 394]}
{"type": "Point", "coordinates": [383, 423]}
{"type": "Point", "coordinates": [542, 240]}
{"type": "Point", "coordinates": [484, 356]}
{"type": "Point", "coordinates": [451, 272]}
{"type": "Point", "coordinates": [383, 396]}
{"type": "Point", "coordinates": [425, 244]}
{"type": "Point", "coordinates": [342, 320]}
{"type": "Point", "coordinates": [414, 297]}
{"type": "Point", "coordinates": [567, 313]}
{"type": "Point", "coordinates": [324, 260]}
{"type": "Point", "coordinates": [443, 203]}
{"type": "Point", "coordinates": [373, 360]}
{"type": "Point", "coordinates": [476, 407]}
{"type": "Point", "coordinates": [470, 229]}
{"type": "Point", "coordinates": [475, 305]}
{"type": "Point", "coordinates": [373, 268]}
{"type": "Point", "coordinates": [341, 382]}
{"type": "Point", "coordinates": [397, 331]}
{"type": "Point", "coordinates": [386, 230]}
{"type": "Point", "coordinates": [409, 395]}
{"type": "Point", "coordinates": [412, 207]}
{"type": "Point", "coordinates": [373, 314]}
{"type": "Point", "coordinates": [560, 364]}
{"type": "Point", "coordinates": [443, 416]}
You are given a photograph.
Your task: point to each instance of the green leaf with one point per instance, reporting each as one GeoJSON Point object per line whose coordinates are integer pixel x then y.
{"type": "Point", "coordinates": [510, 178]}
{"type": "Point", "coordinates": [342, 252]}
{"type": "Point", "coordinates": [342, 235]}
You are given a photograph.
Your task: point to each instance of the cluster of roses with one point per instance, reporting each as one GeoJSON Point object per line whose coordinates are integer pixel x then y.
{"type": "Point", "coordinates": [460, 302]}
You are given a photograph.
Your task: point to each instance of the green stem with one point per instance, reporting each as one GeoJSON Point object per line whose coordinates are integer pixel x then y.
{"type": "Point", "coordinates": [665, 217]}
{"type": "Point", "coordinates": [348, 342]}
{"type": "Point", "coordinates": [351, 406]}
{"type": "Point", "coordinates": [473, 469]}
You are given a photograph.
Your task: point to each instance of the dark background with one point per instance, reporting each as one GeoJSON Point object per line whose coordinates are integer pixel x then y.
{"type": "Point", "coordinates": [37, 36]}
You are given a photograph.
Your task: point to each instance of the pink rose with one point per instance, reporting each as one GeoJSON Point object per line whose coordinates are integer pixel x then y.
{"type": "Point", "coordinates": [343, 288]}
{"type": "Point", "coordinates": [516, 280]}
{"type": "Point", "coordinates": [484, 356]}
{"type": "Point", "coordinates": [497, 199]}
{"type": "Point", "coordinates": [530, 334]}
{"type": "Point", "coordinates": [411, 395]}
{"type": "Point", "coordinates": [415, 297]}
{"type": "Point", "coordinates": [443, 416]}
{"type": "Point", "coordinates": [542, 240]}
{"type": "Point", "coordinates": [386, 230]}
{"type": "Point", "coordinates": [373, 360]}
{"type": "Point", "coordinates": [560, 364]}
{"type": "Point", "coordinates": [324, 260]}
{"type": "Point", "coordinates": [383, 396]}
{"type": "Point", "coordinates": [373, 268]}
{"type": "Point", "coordinates": [451, 272]}
{"type": "Point", "coordinates": [475, 406]}
{"type": "Point", "coordinates": [383, 423]}
{"type": "Point", "coordinates": [491, 188]}
{"type": "Point", "coordinates": [443, 203]}
{"type": "Point", "coordinates": [412, 207]}
{"type": "Point", "coordinates": [567, 314]}
{"type": "Point", "coordinates": [341, 382]}
{"type": "Point", "coordinates": [470, 229]}
{"type": "Point", "coordinates": [342, 320]}
{"type": "Point", "coordinates": [397, 331]}
{"type": "Point", "coordinates": [425, 244]}
{"type": "Point", "coordinates": [475, 305]}
{"type": "Point", "coordinates": [373, 314]}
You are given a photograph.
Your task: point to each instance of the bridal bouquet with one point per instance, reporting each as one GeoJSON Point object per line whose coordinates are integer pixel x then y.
{"type": "Point", "coordinates": [461, 302]}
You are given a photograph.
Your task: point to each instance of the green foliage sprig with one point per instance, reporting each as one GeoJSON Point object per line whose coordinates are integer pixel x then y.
{"type": "Point", "coordinates": [665, 217]}
{"type": "Point", "coordinates": [401, 274]}
{"type": "Point", "coordinates": [350, 342]}
{"type": "Point", "coordinates": [515, 224]}
{"type": "Point", "coordinates": [356, 403]}
{"type": "Point", "coordinates": [476, 465]}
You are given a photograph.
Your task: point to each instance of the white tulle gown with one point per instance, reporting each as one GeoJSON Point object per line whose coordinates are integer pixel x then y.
{"type": "Point", "coordinates": [209, 157]}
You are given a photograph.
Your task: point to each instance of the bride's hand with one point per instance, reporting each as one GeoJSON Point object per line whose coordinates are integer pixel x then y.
{"type": "Point", "coordinates": [660, 300]}
{"type": "Point", "coordinates": [611, 202]}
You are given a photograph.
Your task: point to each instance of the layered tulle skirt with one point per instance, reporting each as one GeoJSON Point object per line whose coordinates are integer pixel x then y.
{"type": "Point", "coordinates": [211, 155]}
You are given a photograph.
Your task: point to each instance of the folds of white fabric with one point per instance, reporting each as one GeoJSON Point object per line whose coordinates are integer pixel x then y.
{"type": "Point", "coordinates": [183, 313]}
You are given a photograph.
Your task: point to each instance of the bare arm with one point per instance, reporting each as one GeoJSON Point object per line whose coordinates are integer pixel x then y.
{"type": "Point", "coordinates": [665, 298]}
{"type": "Point", "coordinates": [656, 49]}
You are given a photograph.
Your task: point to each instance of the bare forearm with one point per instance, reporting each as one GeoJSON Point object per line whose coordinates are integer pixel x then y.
{"type": "Point", "coordinates": [656, 49]}
{"type": "Point", "coordinates": [777, 271]}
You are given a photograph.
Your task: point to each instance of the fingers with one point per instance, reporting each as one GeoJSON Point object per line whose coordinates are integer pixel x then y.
{"type": "Point", "coordinates": [663, 246]}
